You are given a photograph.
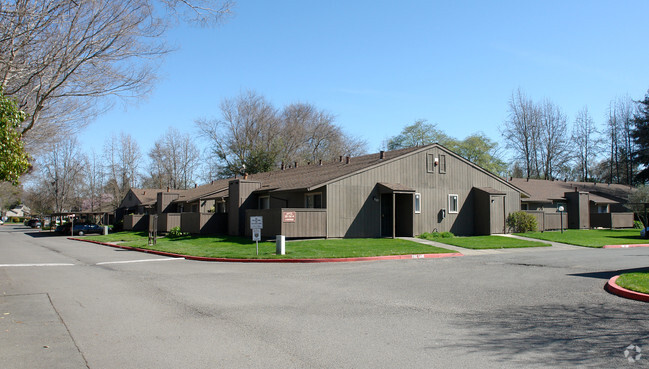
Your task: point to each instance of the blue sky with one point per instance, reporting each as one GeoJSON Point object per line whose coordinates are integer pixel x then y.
{"type": "Point", "coordinates": [381, 65]}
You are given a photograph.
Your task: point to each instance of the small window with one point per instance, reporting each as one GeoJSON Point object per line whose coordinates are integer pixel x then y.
{"type": "Point", "coordinates": [442, 164]}
{"type": "Point", "coordinates": [313, 200]}
{"type": "Point", "coordinates": [452, 203]}
{"type": "Point", "coordinates": [524, 207]}
{"type": "Point", "coordinates": [264, 202]}
{"type": "Point", "coordinates": [430, 163]}
{"type": "Point", "coordinates": [417, 203]}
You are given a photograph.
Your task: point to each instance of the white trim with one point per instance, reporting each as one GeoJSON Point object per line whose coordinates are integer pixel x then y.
{"type": "Point", "coordinates": [457, 203]}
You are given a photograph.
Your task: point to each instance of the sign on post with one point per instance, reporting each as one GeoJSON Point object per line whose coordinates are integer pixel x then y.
{"type": "Point", "coordinates": [256, 224]}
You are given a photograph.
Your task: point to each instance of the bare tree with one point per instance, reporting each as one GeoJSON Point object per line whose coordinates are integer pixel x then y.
{"type": "Point", "coordinates": [553, 138]}
{"type": "Point", "coordinates": [122, 162]}
{"type": "Point", "coordinates": [61, 59]}
{"type": "Point", "coordinates": [94, 182]}
{"type": "Point", "coordinates": [61, 173]}
{"type": "Point", "coordinates": [619, 130]}
{"type": "Point", "coordinates": [522, 132]}
{"type": "Point", "coordinates": [174, 160]}
{"type": "Point", "coordinates": [586, 143]}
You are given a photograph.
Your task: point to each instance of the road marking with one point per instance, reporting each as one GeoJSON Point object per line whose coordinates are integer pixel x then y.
{"type": "Point", "coordinates": [33, 265]}
{"type": "Point", "coordinates": [138, 261]}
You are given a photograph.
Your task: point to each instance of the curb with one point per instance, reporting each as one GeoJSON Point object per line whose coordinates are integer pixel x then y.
{"type": "Point", "coordinates": [322, 260]}
{"type": "Point", "coordinates": [613, 288]}
{"type": "Point", "coordinates": [625, 246]}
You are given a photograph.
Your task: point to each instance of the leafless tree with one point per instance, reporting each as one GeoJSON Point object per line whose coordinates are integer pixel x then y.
{"type": "Point", "coordinates": [61, 173]}
{"type": "Point", "coordinates": [522, 132]}
{"type": "Point", "coordinates": [586, 143]}
{"type": "Point", "coordinates": [122, 162]}
{"type": "Point", "coordinates": [253, 137]}
{"type": "Point", "coordinates": [619, 128]}
{"type": "Point", "coordinates": [61, 59]}
{"type": "Point", "coordinates": [174, 160]}
{"type": "Point", "coordinates": [94, 182]}
{"type": "Point", "coordinates": [553, 138]}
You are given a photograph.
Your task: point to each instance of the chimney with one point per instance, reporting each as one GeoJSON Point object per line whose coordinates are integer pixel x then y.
{"type": "Point", "coordinates": [320, 162]}
{"type": "Point", "coordinates": [143, 192]}
{"type": "Point", "coordinates": [295, 164]}
{"type": "Point", "coordinates": [195, 185]}
{"type": "Point", "coordinates": [382, 155]}
{"type": "Point", "coordinates": [167, 188]}
{"type": "Point", "coordinates": [245, 175]}
{"type": "Point", "coordinates": [347, 160]}
{"type": "Point", "coordinates": [341, 158]}
{"type": "Point", "coordinates": [282, 166]}
{"type": "Point", "coordinates": [212, 182]}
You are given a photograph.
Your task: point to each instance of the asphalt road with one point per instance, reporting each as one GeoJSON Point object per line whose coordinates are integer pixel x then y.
{"type": "Point", "coordinates": [70, 304]}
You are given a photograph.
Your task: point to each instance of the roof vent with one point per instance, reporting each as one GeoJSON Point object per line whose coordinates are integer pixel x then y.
{"type": "Point", "coordinates": [245, 175]}
{"type": "Point", "coordinates": [282, 166]}
{"type": "Point", "coordinates": [195, 185]}
{"type": "Point", "coordinates": [167, 188]}
{"type": "Point", "coordinates": [341, 158]}
{"type": "Point", "coordinates": [296, 164]}
{"type": "Point", "coordinates": [347, 160]}
{"type": "Point", "coordinates": [320, 162]}
{"type": "Point", "coordinates": [382, 155]}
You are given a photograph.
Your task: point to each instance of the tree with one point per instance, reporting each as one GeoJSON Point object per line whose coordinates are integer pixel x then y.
{"type": "Point", "coordinates": [522, 131]}
{"type": "Point", "coordinates": [14, 160]}
{"type": "Point", "coordinates": [61, 173]}
{"type": "Point", "coordinates": [174, 160]}
{"type": "Point", "coordinates": [61, 59]}
{"type": "Point", "coordinates": [482, 151]}
{"type": "Point", "coordinates": [637, 199]}
{"type": "Point", "coordinates": [419, 133]}
{"type": "Point", "coordinates": [122, 162]}
{"type": "Point", "coordinates": [252, 136]}
{"type": "Point", "coordinates": [553, 139]}
{"type": "Point", "coordinates": [619, 128]}
{"type": "Point", "coordinates": [586, 142]}
{"type": "Point", "coordinates": [640, 135]}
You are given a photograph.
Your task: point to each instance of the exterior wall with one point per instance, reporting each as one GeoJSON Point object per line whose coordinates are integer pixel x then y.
{"type": "Point", "coordinates": [164, 202]}
{"type": "Point", "coordinates": [309, 223]}
{"type": "Point", "coordinates": [611, 220]}
{"type": "Point", "coordinates": [136, 222]}
{"type": "Point", "coordinates": [203, 223]}
{"type": "Point", "coordinates": [352, 211]}
{"type": "Point", "coordinates": [240, 201]}
{"type": "Point", "coordinates": [130, 200]}
{"type": "Point", "coordinates": [549, 221]}
{"type": "Point", "coordinates": [578, 210]}
{"type": "Point", "coordinates": [166, 221]}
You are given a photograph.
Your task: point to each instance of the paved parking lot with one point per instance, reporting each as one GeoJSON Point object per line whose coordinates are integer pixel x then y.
{"type": "Point", "coordinates": [69, 304]}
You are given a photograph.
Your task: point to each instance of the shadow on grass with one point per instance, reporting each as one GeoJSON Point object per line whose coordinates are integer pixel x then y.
{"type": "Point", "coordinates": [558, 335]}
{"type": "Point", "coordinates": [610, 273]}
{"type": "Point", "coordinates": [212, 238]}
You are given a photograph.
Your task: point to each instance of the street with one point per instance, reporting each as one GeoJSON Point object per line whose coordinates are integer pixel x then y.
{"type": "Point", "coordinates": [71, 304]}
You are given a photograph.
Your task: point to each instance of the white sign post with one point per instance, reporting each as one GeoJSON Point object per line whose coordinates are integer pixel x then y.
{"type": "Point", "coordinates": [256, 224]}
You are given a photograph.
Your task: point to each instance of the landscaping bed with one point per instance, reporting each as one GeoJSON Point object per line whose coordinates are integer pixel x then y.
{"type": "Point", "coordinates": [243, 248]}
{"type": "Point", "coordinates": [590, 237]}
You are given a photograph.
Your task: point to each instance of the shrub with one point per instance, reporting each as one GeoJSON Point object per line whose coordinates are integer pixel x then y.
{"type": "Point", "coordinates": [637, 224]}
{"type": "Point", "coordinates": [175, 232]}
{"type": "Point", "coordinates": [521, 222]}
{"type": "Point", "coordinates": [435, 235]}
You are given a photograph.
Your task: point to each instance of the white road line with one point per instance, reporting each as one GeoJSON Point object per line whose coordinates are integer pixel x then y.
{"type": "Point", "coordinates": [33, 265]}
{"type": "Point", "coordinates": [137, 261]}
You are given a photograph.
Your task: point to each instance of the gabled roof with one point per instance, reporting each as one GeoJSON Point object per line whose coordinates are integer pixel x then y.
{"type": "Point", "coordinates": [213, 189]}
{"type": "Point", "coordinates": [545, 191]}
{"type": "Point", "coordinates": [313, 176]}
{"type": "Point", "coordinates": [146, 196]}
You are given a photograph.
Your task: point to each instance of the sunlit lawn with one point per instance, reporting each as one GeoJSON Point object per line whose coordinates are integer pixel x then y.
{"type": "Point", "coordinates": [638, 282]}
{"type": "Point", "coordinates": [490, 242]}
{"type": "Point", "coordinates": [244, 248]}
{"type": "Point", "coordinates": [590, 237]}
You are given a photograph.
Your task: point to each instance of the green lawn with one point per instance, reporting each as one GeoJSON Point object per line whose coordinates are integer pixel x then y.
{"type": "Point", "coordinates": [244, 248]}
{"type": "Point", "coordinates": [489, 242]}
{"type": "Point", "coordinates": [638, 282]}
{"type": "Point", "coordinates": [590, 237]}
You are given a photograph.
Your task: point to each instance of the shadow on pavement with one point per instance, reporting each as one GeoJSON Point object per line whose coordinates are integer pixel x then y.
{"type": "Point", "coordinates": [559, 335]}
{"type": "Point", "coordinates": [609, 274]}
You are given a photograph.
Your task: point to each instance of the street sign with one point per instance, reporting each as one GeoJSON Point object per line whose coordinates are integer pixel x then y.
{"type": "Point", "coordinates": [257, 222]}
{"type": "Point", "coordinates": [256, 234]}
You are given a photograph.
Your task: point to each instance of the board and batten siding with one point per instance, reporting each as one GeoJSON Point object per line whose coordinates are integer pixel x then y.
{"type": "Point", "coordinates": [352, 211]}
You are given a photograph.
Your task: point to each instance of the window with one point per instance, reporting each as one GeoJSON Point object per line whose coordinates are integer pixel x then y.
{"type": "Point", "coordinates": [417, 203]}
{"type": "Point", "coordinates": [524, 207]}
{"type": "Point", "coordinates": [602, 209]}
{"type": "Point", "coordinates": [313, 200]}
{"type": "Point", "coordinates": [452, 203]}
{"type": "Point", "coordinates": [442, 164]}
{"type": "Point", "coordinates": [264, 202]}
{"type": "Point", "coordinates": [430, 163]}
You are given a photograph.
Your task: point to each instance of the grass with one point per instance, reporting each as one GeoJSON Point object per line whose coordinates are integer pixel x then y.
{"type": "Point", "coordinates": [244, 248]}
{"type": "Point", "coordinates": [590, 237]}
{"type": "Point", "coordinates": [638, 282]}
{"type": "Point", "coordinates": [489, 242]}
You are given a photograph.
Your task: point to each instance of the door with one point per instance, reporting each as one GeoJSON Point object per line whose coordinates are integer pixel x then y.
{"type": "Point", "coordinates": [497, 214]}
{"type": "Point", "coordinates": [386, 215]}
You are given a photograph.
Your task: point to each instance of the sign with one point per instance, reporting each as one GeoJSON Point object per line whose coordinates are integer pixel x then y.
{"type": "Point", "coordinates": [257, 222]}
{"type": "Point", "coordinates": [256, 234]}
{"type": "Point", "coordinates": [288, 217]}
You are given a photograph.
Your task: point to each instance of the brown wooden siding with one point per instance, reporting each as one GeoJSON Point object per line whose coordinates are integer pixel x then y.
{"type": "Point", "coordinates": [309, 223]}
{"type": "Point", "coordinates": [204, 223]}
{"type": "Point", "coordinates": [166, 221]}
{"type": "Point", "coordinates": [611, 220]}
{"type": "Point", "coordinates": [549, 221]}
{"type": "Point", "coordinates": [352, 212]}
{"type": "Point", "coordinates": [136, 222]}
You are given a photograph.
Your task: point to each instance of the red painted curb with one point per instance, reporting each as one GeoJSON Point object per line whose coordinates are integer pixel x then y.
{"type": "Point", "coordinates": [625, 246]}
{"type": "Point", "coordinates": [613, 288]}
{"type": "Point", "coordinates": [323, 260]}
